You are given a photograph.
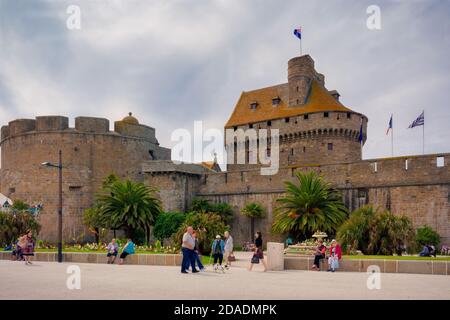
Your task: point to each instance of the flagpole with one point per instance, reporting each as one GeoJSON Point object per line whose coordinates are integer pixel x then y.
{"type": "Point", "coordinates": [423, 133]}
{"type": "Point", "coordinates": [392, 141]}
{"type": "Point", "coordinates": [300, 47]}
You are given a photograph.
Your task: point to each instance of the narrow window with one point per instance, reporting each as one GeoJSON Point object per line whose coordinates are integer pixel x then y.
{"type": "Point", "coordinates": [375, 167]}
{"type": "Point", "coordinates": [250, 125]}
{"type": "Point", "coordinates": [292, 151]}
{"type": "Point", "coordinates": [439, 162]}
{"type": "Point", "coordinates": [306, 116]}
{"type": "Point", "coordinates": [286, 120]}
{"type": "Point", "coordinates": [349, 115]}
{"type": "Point", "coordinates": [330, 147]}
{"type": "Point", "coordinates": [269, 123]}
{"type": "Point", "coordinates": [406, 164]}
{"type": "Point", "coordinates": [304, 149]}
{"type": "Point", "coordinates": [325, 114]}
{"type": "Point", "coordinates": [234, 128]}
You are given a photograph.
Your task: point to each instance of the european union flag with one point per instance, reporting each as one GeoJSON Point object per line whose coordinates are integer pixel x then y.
{"type": "Point", "coordinates": [298, 33]}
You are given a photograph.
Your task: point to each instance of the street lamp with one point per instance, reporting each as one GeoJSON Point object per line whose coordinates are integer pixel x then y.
{"type": "Point", "coordinates": [60, 167]}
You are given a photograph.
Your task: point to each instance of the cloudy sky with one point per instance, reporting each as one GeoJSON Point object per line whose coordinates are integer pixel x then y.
{"type": "Point", "coordinates": [172, 62]}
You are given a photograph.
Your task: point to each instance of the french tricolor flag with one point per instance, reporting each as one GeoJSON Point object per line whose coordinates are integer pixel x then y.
{"type": "Point", "coordinates": [298, 33]}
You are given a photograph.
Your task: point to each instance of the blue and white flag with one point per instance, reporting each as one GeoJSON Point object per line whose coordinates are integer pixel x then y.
{"type": "Point", "coordinates": [420, 121]}
{"type": "Point", "coordinates": [390, 125]}
{"type": "Point", "coordinates": [298, 32]}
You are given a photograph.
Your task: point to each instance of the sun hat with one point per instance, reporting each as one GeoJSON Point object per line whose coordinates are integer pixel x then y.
{"type": "Point", "coordinates": [217, 237]}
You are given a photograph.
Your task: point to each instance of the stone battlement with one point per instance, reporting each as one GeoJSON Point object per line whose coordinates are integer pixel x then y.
{"type": "Point", "coordinates": [91, 125]}
{"type": "Point", "coordinates": [398, 171]}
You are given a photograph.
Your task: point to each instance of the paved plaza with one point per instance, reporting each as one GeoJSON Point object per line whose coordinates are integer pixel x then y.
{"type": "Point", "coordinates": [47, 280]}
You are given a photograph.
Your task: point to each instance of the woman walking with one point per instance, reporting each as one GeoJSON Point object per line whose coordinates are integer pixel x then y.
{"type": "Point", "coordinates": [27, 246]}
{"type": "Point", "coordinates": [258, 255]}
{"type": "Point", "coordinates": [218, 248]}
{"type": "Point", "coordinates": [228, 256]}
{"type": "Point", "coordinates": [197, 252]}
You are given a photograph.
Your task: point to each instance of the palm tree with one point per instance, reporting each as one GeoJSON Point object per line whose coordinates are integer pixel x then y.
{"type": "Point", "coordinates": [309, 205]}
{"type": "Point", "coordinates": [129, 205]}
{"type": "Point", "coordinates": [253, 210]}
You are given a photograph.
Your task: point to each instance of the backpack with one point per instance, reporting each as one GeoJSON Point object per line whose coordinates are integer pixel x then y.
{"type": "Point", "coordinates": [217, 248]}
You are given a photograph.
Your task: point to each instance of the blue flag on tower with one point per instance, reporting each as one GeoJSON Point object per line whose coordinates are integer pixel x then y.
{"type": "Point", "coordinates": [390, 125]}
{"type": "Point", "coordinates": [420, 121]}
{"type": "Point", "coordinates": [298, 33]}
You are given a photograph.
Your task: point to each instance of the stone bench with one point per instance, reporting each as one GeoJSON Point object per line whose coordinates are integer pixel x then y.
{"type": "Point", "coordinates": [80, 257]}
{"type": "Point", "coordinates": [386, 266]}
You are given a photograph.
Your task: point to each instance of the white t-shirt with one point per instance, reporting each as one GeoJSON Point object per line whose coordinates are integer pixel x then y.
{"type": "Point", "coordinates": [187, 237]}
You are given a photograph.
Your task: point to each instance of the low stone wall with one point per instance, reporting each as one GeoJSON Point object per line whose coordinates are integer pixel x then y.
{"type": "Point", "coordinates": [386, 266]}
{"type": "Point", "coordinates": [141, 259]}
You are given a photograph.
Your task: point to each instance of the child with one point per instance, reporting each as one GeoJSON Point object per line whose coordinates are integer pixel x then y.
{"type": "Point", "coordinates": [218, 248]}
{"type": "Point", "coordinates": [128, 248]}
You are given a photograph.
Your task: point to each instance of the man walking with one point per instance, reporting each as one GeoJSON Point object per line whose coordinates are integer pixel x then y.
{"type": "Point", "coordinates": [228, 249]}
{"type": "Point", "coordinates": [187, 248]}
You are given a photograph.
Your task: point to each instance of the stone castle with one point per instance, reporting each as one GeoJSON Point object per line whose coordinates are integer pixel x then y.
{"type": "Point", "coordinates": [317, 132]}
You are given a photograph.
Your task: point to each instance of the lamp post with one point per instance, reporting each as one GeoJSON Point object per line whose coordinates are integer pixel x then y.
{"type": "Point", "coordinates": [60, 167]}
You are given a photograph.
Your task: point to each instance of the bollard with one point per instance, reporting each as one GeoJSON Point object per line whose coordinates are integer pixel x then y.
{"type": "Point", "coordinates": [275, 256]}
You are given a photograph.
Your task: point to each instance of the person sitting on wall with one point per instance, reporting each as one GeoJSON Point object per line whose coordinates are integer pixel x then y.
{"type": "Point", "coordinates": [425, 251]}
{"type": "Point", "coordinates": [113, 249]}
{"type": "Point", "coordinates": [432, 250]}
{"type": "Point", "coordinates": [289, 242]}
{"type": "Point", "coordinates": [128, 249]}
{"type": "Point", "coordinates": [319, 255]}
{"type": "Point", "coordinates": [335, 256]}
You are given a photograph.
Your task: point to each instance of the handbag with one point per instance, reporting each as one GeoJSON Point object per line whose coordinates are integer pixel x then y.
{"type": "Point", "coordinates": [231, 257]}
{"type": "Point", "coordinates": [255, 259]}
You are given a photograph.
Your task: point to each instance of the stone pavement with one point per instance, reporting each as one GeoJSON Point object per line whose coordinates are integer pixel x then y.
{"type": "Point", "coordinates": [47, 280]}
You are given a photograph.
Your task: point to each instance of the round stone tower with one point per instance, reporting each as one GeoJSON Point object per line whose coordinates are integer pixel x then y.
{"type": "Point", "coordinates": [90, 152]}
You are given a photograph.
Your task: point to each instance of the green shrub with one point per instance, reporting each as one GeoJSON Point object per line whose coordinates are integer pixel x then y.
{"type": "Point", "coordinates": [223, 209]}
{"type": "Point", "coordinates": [426, 235]}
{"type": "Point", "coordinates": [167, 223]}
{"type": "Point", "coordinates": [375, 231]}
{"type": "Point", "coordinates": [207, 226]}
{"type": "Point", "coordinates": [12, 226]}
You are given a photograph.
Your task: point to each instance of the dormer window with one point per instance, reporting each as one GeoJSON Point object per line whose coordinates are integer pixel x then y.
{"type": "Point", "coordinates": [253, 105]}
{"type": "Point", "coordinates": [276, 101]}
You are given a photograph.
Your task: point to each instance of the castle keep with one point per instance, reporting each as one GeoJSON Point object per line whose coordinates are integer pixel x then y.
{"type": "Point", "coordinates": [317, 132]}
